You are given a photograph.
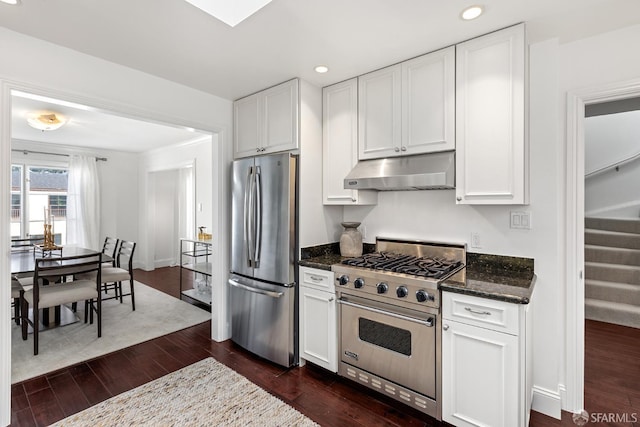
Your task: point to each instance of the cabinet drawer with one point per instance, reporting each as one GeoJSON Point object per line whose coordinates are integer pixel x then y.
{"type": "Point", "coordinates": [318, 279]}
{"type": "Point", "coordinates": [486, 313]}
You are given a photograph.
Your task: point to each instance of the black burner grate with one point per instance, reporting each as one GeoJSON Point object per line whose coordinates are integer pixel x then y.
{"type": "Point", "coordinates": [407, 264]}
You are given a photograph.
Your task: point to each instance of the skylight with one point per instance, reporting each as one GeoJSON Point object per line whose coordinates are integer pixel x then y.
{"type": "Point", "coordinates": [231, 12]}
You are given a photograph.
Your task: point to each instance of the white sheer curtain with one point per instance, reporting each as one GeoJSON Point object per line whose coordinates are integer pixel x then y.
{"type": "Point", "coordinates": [83, 203]}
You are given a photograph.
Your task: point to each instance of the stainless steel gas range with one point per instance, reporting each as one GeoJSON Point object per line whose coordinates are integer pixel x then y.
{"type": "Point", "coordinates": [389, 318]}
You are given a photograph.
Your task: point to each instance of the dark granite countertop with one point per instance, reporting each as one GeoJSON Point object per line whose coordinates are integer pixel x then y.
{"type": "Point", "coordinates": [508, 279]}
{"type": "Point", "coordinates": [503, 278]}
{"type": "Point", "coordinates": [323, 256]}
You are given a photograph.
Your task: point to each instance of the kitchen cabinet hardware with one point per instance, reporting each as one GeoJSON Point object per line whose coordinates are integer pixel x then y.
{"type": "Point", "coordinates": [482, 313]}
{"type": "Point", "coordinates": [445, 327]}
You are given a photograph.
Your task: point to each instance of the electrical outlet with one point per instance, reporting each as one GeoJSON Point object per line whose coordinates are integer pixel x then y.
{"type": "Point", "coordinates": [521, 220]}
{"type": "Point", "coordinates": [475, 240]}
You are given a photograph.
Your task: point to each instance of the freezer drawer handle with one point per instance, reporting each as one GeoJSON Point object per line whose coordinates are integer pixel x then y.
{"type": "Point", "coordinates": [428, 322]}
{"type": "Point", "coordinates": [271, 294]}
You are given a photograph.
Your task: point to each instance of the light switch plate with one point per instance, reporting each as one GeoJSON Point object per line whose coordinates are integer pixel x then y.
{"type": "Point", "coordinates": [521, 220]}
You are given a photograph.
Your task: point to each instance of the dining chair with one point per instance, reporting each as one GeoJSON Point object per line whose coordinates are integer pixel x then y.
{"type": "Point", "coordinates": [112, 277]}
{"type": "Point", "coordinates": [26, 244]}
{"type": "Point", "coordinates": [109, 249]}
{"type": "Point", "coordinates": [16, 296]}
{"type": "Point", "coordinates": [46, 293]}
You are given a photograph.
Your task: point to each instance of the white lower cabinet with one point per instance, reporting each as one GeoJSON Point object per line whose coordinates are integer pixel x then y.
{"type": "Point", "coordinates": [485, 371]}
{"type": "Point", "coordinates": [318, 319]}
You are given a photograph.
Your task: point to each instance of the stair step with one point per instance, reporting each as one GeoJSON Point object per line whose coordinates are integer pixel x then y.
{"type": "Point", "coordinates": [611, 291]}
{"type": "Point", "coordinates": [612, 272]}
{"type": "Point", "coordinates": [623, 225]}
{"type": "Point", "coordinates": [612, 255]}
{"type": "Point", "coordinates": [612, 312]}
{"type": "Point", "coordinates": [616, 239]}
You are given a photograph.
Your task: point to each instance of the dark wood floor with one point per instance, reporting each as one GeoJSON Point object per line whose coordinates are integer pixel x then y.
{"type": "Point", "coordinates": [612, 381]}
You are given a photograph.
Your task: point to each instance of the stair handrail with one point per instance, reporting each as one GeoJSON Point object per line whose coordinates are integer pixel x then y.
{"type": "Point", "coordinates": [615, 165]}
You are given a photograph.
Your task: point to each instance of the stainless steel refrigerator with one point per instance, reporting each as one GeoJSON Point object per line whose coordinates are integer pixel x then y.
{"type": "Point", "coordinates": [263, 252]}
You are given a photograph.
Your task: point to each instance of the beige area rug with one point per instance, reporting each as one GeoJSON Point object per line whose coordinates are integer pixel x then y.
{"type": "Point", "coordinates": [156, 314]}
{"type": "Point", "coordinates": [206, 393]}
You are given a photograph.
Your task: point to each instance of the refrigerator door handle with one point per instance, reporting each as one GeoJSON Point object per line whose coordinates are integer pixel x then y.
{"type": "Point", "coordinates": [248, 210]}
{"type": "Point", "coordinates": [271, 294]}
{"type": "Point", "coordinates": [258, 218]}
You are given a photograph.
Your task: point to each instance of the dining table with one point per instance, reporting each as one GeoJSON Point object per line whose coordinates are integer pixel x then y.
{"type": "Point", "coordinates": [23, 264]}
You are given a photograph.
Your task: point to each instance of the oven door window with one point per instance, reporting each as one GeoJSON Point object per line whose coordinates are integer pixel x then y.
{"type": "Point", "coordinates": [386, 336]}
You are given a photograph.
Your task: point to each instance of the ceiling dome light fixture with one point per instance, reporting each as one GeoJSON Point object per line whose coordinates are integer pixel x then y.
{"type": "Point", "coordinates": [12, 2]}
{"type": "Point", "coordinates": [472, 12]}
{"type": "Point", "coordinates": [45, 121]}
{"type": "Point", "coordinates": [321, 69]}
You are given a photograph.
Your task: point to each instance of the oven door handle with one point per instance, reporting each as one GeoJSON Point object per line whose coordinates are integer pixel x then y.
{"type": "Point", "coordinates": [428, 322]}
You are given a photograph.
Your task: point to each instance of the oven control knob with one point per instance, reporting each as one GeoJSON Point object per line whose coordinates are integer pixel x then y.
{"type": "Point", "coordinates": [402, 292]}
{"type": "Point", "coordinates": [358, 283]}
{"type": "Point", "coordinates": [343, 280]}
{"type": "Point", "coordinates": [423, 296]}
{"type": "Point", "coordinates": [382, 288]}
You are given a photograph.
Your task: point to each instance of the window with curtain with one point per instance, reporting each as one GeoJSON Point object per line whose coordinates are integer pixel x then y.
{"type": "Point", "coordinates": [83, 203]}
{"type": "Point", "coordinates": [34, 189]}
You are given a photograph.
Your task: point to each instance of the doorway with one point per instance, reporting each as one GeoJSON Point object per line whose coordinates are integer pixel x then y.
{"type": "Point", "coordinates": [575, 230]}
{"type": "Point", "coordinates": [171, 193]}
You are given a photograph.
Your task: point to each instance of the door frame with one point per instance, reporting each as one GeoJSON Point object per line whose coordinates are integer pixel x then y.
{"type": "Point", "coordinates": [574, 219]}
{"type": "Point", "coordinates": [221, 156]}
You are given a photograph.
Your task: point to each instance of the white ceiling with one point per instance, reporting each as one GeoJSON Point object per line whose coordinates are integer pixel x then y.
{"type": "Point", "coordinates": [93, 129]}
{"type": "Point", "coordinates": [287, 38]}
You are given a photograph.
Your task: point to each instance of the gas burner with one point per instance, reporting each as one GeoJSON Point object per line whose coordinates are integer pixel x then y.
{"type": "Point", "coordinates": [432, 267]}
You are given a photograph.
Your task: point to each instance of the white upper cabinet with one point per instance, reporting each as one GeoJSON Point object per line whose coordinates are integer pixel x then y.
{"type": "Point", "coordinates": [267, 122]}
{"type": "Point", "coordinates": [379, 99]}
{"type": "Point", "coordinates": [428, 103]}
{"type": "Point", "coordinates": [340, 144]}
{"type": "Point", "coordinates": [491, 145]}
{"type": "Point", "coordinates": [408, 108]}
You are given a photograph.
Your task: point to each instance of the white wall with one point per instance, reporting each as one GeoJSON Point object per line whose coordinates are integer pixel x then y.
{"type": "Point", "coordinates": [41, 67]}
{"type": "Point", "coordinates": [163, 187]}
{"type": "Point", "coordinates": [609, 139]}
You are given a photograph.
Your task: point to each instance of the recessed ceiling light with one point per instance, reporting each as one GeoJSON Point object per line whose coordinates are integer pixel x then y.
{"type": "Point", "coordinates": [472, 12]}
{"type": "Point", "coordinates": [321, 69]}
{"type": "Point", "coordinates": [9, 1]}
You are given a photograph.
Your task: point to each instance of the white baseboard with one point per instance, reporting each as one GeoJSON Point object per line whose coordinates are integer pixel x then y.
{"type": "Point", "coordinates": [159, 263]}
{"type": "Point", "coordinates": [547, 402]}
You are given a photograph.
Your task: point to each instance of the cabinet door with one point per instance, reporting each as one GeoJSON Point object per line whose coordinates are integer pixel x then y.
{"type": "Point", "coordinates": [280, 117]}
{"type": "Point", "coordinates": [318, 330]}
{"type": "Point", "coordinates": [340, 144]}
{"type": "Point", "coordinates": [480, 377]}
{"type": "Point", "coordinates": [246, 130]}
{"type": "Point", "coordinates": [379, 112]}
{"type": "Point", "coordinates": [428, 103]}
{"type": "Point", "coordinates": [491, 152]}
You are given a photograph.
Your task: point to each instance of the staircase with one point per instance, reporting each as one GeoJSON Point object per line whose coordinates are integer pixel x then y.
{"type": "Point", "coordinates": [612, 271]}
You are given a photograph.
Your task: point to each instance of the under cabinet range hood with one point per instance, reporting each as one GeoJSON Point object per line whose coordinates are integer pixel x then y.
{"type": "Point", "coordinates": [433, 171]}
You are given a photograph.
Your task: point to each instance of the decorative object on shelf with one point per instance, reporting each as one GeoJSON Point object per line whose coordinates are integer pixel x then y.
{"type": "Point", "coordinates": [351, 240]}
{"type": "Point", "coordinates": [201, 285]}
